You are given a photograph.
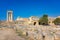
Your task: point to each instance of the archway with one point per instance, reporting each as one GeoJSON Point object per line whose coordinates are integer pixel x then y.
{"type": "Point", "coordinates": [34, 23]}
{"type": "Point", "coordinates": [39, 23]}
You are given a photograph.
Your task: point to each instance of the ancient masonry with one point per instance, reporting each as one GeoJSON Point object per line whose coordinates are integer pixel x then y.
{"type": "Point", "coordinates": [9, 15]}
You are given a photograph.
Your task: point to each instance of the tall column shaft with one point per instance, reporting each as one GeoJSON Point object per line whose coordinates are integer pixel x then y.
{"type": "Point", "coordinates": [9, 15]}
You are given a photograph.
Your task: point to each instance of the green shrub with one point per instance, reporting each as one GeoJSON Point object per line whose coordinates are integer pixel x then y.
{"type": "Point", "coordinates": [43, 20]}
{"type": "Point", "coordinates": [57, 21]}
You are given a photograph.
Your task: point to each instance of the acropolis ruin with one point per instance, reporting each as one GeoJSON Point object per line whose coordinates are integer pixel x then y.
{"type": "Point", "coordinates": [27, 30]}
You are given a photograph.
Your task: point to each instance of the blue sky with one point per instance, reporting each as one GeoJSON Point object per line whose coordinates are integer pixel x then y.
{"type": "Point", "coordinates": [27, 8]}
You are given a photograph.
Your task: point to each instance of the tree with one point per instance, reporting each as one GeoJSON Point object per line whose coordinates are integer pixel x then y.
{"type": "Point", "coordinates": [43, 20]}
{"type": "Point", "coordinates": [57, 21]}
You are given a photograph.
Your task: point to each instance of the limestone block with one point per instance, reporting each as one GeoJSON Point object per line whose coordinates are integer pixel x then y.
{"type": "Point", "coordinates": [39, 37]}
{"type": "Point", "coordinates": [24, 33]}
{"type": "Point", "coordinates": [49, 37]}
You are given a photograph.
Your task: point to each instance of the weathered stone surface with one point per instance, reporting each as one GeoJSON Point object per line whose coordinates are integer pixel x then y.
{"type": "Point", "coordinates": [57, 36]}
{"type": "Point", "coordinates": [49, 37]}
{"type": "Point", "coordinates": [9, 34]}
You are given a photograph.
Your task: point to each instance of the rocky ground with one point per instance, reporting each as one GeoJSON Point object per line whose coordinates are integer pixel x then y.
{"type": "Point", "coordinates": [30, 32]}
{"type": "Point", "coordinates": [9, 34]}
